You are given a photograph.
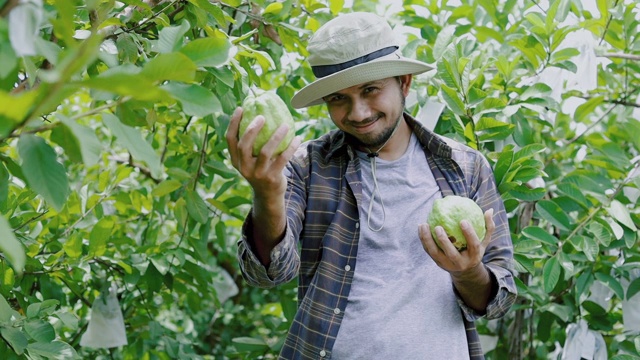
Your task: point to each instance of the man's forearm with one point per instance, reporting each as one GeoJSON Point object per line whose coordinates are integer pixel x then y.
{"type": "Point", "coordinates": [269, 225]}
{"type": "Point", "coordinates": [475, 287]}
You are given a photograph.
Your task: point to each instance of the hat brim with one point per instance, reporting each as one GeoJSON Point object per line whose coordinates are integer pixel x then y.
{"type": "Point", "coordinates": [313, 93]}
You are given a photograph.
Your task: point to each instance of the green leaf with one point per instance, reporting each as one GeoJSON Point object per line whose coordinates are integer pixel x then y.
{"type": "Point", "coordinates": [503, 165]}
{"type": "Point", "coordinates": [600, 233]}
{"type": "Point", "coordinates": [196, 207]}
{"type": "Point", "coordinates": [526, 262]}
{"type": "Point", "coordinates": [554, 214]}
{"type": "Point", "coordinates": [584, 110]}
{"type": "Point", "coordinates": [538, 233]}
{"type": "Point", "coordinates": [134, 85]}
{"type": "Point", "coordinates": [536, 90]}
{"type": "Point", "coordinates": [166, 187]}
{"type": "Point", "coordinates": [564, 54]}
{"type": "Point", "coordinates": [523, 192]}
{"type": "Point", "coordinates": [73, 246]}
{"type": "Point", "coordinates": [535, 19]}
{"type": "Point", "coordinates": [551, 274]}
{"type": "Point", "coordinates": [208, 51]}
{"type": "Point", "coordinates": [6, 312]}
{"type": "Point", "coordinates": [100, 235]}
{"type": "Point", "coordinates": [447, 71]}
{"type": "Point", "coordinates": [62, 136]}
{"type": "Point", "coordinates": [53, 350]}
{"type": "Point", "coordinates": [452, 99]}
{"type": "Point", "coordinates": [86, 140]}
{"type": "Point", "coordinates": [219, 168]}
{"type": "Point", "coordinates": [11, 116]}
{"type": "Point", "coordinates": [4, 185]}
{"type": "Point", "coordinates": [40, 330]}
{"type": "Point", "coordinates": [171, 66]}
{"type": "Point", "coordinates": [526, 246]}
{"type": "Point", "coordinates": [215, 11]}
{"type": "Point", "coordinates": [171, 37]}
{"type": "Point", "coordinates": [563, 10]}
{"type": "Point", "coordinates": [624, 357]}
{"type": "Point", "coordinates": [275, 8]}
{"type": "Point", "coordinates": [567, 65]}
{"type": "Point", "coordinates": [633, 288]}
{"type": "Point", "coordinates": [10, 246]}
{"type": "Point", "coordinates": [131, 139]}
{"type": "Point", "coordinates": [476, 95]}
{"type": "Point", "coordinates": [42, 309]}
{"type": "Point", "coordinates": [483, 33]}
{"type": "Point", "coordinates": [612, 283]}
{"type": "Point", "coordinates": [195, 99]}
{"type": "Point", "coordinates": [574, 192]}
{"type": "Point", "coordinates": [248, 344]}
{"type": "Point", "coordinates": [621, 214]}
{"type": "Point", "coordinates": [43, 171]}
{"type": "Point", "coordinates": [335, 6]}
{"type": "Point", "coordinates": [16, 339]}
{"type": "Point", "coordinates": [445, 37]}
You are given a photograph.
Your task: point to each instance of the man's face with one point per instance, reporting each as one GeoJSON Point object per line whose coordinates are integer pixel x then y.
{"type": "Point", "coordinates": [370, 111]}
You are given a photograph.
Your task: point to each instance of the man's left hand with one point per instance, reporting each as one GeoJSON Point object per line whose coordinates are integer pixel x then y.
{"type": "Point", "coordinates": [458, 263]}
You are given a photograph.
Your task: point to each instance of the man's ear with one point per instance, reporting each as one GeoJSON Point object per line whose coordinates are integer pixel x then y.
{"type": "Point", "coordinates": [405, 83]}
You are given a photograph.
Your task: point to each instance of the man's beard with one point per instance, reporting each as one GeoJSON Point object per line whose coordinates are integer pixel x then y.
{"type": "Point", "coordinates": [374, 143]}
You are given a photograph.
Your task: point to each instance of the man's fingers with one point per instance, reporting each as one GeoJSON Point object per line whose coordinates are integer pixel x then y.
{"type": "Point", "coordinates": [232, 133]}
{"type": "Point", "coordinates": [489, 223]}
{"type": "Point", "coordinates": [234, 124]}
{"type": "Point", "coordinates": [445, 244]}
{"type": "Point", "coordinates": [473, 243]}
{"type": "Point", "coordinates": [245, 143]}
{"type": "Point", "coordinates": [269, 148]}
{"type": "Point", "coordinates": [286, 155]}
{"type": "Point", "coordinates": [428, 243]}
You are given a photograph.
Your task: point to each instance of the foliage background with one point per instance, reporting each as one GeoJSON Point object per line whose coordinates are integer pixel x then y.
{"type": "Point", "coordinates": [113, 171]}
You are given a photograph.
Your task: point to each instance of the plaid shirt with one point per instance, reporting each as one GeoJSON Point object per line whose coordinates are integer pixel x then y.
{"type": "Point", "coordinates": [324, 188]}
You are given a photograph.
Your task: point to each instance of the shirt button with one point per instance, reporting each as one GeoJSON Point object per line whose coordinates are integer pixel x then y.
{"type": "Point", "coordinates": [357, 225]}
{"type": "Point", "coordinates": [347, 268]}
{"type": "Point", "coordinates": [323, 353]}
{"type": "Point", "coordinates": [336, 311]}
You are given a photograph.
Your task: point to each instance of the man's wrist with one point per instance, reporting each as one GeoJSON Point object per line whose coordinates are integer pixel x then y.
{"type": "Point", "coordinates": [477, 274]}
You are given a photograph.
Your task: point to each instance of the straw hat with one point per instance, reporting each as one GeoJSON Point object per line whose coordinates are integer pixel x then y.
{"type": "Point", "coordinates": [352, 49]}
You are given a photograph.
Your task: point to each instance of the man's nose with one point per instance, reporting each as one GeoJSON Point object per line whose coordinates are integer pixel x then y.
{"type": "Point", "coordinates": [360, 111]}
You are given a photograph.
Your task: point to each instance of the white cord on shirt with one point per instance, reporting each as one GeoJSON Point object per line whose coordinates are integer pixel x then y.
{"type": "Point", "coordinates": [372, 157]}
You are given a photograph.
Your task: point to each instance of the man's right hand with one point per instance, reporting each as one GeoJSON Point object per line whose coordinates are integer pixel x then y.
{"type": "Point", "coordinates": [265, 175]}
{"type": "Point", "coordinates": [265, 171]}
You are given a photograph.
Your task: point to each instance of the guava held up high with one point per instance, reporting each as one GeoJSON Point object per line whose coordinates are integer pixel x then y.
{"type": "Point", "coordinates": [275, 112]}
{"type": "Point", "coordinates": [449, 211]}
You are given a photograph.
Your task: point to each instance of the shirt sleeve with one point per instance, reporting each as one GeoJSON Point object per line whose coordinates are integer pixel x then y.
{"type": "Point", "coordinates": [498, 257]}
{"type": "Point", "coordinates": [284, 259]}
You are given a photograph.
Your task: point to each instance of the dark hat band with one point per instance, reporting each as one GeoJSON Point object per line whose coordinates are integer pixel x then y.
{"type": "Point", "coordinates": [326, 70]}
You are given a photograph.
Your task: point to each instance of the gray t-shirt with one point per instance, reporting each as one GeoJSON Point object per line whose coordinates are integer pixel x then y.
{"type": "Point", "coordinates": [401, 304]}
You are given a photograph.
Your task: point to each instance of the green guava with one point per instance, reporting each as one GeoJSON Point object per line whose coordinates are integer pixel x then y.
{"type": "Point", "coordinates": [449, 211]}
{"type": "Point", "coordinates": [275, 112]}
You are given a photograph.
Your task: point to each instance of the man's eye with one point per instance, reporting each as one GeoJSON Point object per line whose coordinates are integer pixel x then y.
{"type": "Point", "coordinates": [370, 89]}
{"type": "Point", "coordinates": [333, 98]}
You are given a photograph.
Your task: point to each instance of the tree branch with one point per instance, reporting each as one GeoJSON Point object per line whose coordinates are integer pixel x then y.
{"type": "Point", "coordinates": [621, 56]}
{"type": "Point", "coordinates": [48, 127]}
{"type": "Point", "coordinates": [591, 126]}
{"type": "Point", "coordinates": [613, 101]}
{"type": "Point", "coordinates": [146, 172]}
{"type": "Point", "coordinates": [6, 9]}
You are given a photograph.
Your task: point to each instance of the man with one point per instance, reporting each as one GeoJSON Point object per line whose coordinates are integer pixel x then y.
{"type": "Point", "coordinates": [372, 282]}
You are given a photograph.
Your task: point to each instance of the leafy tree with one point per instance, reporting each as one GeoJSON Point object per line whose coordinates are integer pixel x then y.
{"type": "Point", "coordinates": [113, 171]}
